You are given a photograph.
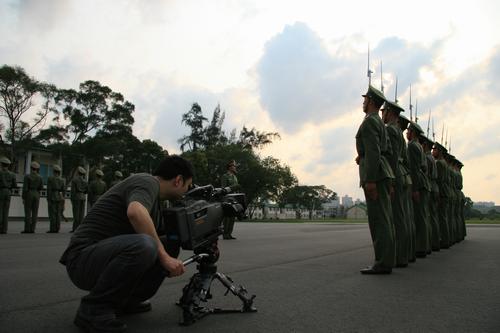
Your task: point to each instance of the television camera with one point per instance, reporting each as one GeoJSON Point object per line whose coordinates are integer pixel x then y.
{"type": "Point", "coordinates": [195, 223]}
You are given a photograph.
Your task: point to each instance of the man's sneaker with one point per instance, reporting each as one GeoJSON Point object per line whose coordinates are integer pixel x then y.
{"type": "Point", "coordinates": [94, 320]}
{"type": "Point", "coordinates": [134, 308]}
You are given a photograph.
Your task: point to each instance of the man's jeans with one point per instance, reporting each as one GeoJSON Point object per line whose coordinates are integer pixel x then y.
{"type": "Point", "coordinates": [118, 271]}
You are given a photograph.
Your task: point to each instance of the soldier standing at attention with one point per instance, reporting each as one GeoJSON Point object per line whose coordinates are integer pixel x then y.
{"type": "Point", "coordinates": [376, 175]}
{"type": "Point", "coordinates": [7, 183]}
{"type": "Point", "coordinates": [403, 124]}
{"type": "Point", "coordinates": [117, 178]}
{"type": "Point", "coordinates": [97, 187]}
{"type": "Point", "coordinates": [229, 180]}
{"type": "Point", "coordinates": [420, 189]}
{"type": "Point", "coordinates": [56, 188]}
{"type": "Point", "coordinates": [438, 152]}
{"type": "Point", "coordinates": [32, 186]}
{"type": "Point", "coordinates": [79, 188]}
{"type": "Point", "coordinates": [390, 115]}
{"type": "Point", "coordinates": [435, 234]}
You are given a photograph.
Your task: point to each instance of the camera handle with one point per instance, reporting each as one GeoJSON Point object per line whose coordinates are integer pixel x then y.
{"type": "Point", "coordinates": [197, 291]}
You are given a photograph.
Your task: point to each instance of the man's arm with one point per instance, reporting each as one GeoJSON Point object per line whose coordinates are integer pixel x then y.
{"type": "Point", "coordinates": [142, 223]}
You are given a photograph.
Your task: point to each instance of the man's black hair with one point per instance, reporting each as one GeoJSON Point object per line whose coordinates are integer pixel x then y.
{"type": "Point", "coordinates": [172, 166]}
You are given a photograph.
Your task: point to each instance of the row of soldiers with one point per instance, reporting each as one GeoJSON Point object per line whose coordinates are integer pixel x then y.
{"type": "Point", "coordinates": [413, 190]}
{"type": "Point", "coordinates": [56, 191]}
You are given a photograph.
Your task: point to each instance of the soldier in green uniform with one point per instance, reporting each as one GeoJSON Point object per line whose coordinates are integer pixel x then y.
{"type": "Point", "coordinates": [438, 152]}
{"type": "Point", "coordinates": [32, 186]}
{"type": "Point", "coordinates": [229, 179]}
{"type": "Point", "coordinates": [403, 123]}
{"type": "Point", "coordinates": [451, 207]}
{"type": "Point", "coordinates": [390, 116]}
{"type": "Point", "coordinates": [434, 231]}
{"type": "Point", "coordinates": [97, 187]}
{"type": "Point", "coordinates": [118, 176]}
{"type": "Point", "coordinates": [376, 176]}
{"type": "Point", "coordinates": [420, 189]}
{"type": "Point", "coordinates": [79, 188]}
{"type": "Point", "coordinates": [462, 201]}
{"type": "Point", "coordinates": [56, 188]}
{"type": "Point", "coordinates": [7, 184]}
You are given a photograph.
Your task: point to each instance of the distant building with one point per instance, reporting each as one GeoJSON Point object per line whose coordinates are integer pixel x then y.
{"type": "Point", "coordinates": [358, 202]}
{"type": "Point", "coordinates": [347, 201]}
{"type": "Point", "coordinates": [331, 208]}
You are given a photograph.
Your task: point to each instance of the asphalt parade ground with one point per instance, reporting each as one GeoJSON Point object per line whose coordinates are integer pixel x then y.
{"type": "Point", "coordinates": [305, 277]}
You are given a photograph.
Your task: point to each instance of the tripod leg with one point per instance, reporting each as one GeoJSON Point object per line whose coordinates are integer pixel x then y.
{"type": "Point", "coordinates": [241, 292]}
{"type": "Point", "coordinates": [195, 292]}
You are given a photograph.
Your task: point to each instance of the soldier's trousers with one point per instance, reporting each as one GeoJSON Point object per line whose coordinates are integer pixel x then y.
{"type": "Point", "coordinates": [78, 212]}
{"type": "Point", "coordinates": [400, 225]}
{"type": "Point", "coordinates": [55, 212]}
{"type": "Point", "coordinates": [444, 227]}
{"type": "Point", "coordinates": [451, 220]}
{"type": "Point", "coordinates": [117, 271]}
{"type": "Point", "coordinates": [4, 214]}
{"type": "Point", "coordinates": [434, 219]}
{"type": "Point", "coordinates": [412, 233]}
{"type": "Point", "coordinates": [420, 210]}
{"type": "Point", "coordinates": [228, 224]}
{"type": "Point", "coordinates": [381, 226]}
{"type": "Point", "coordinates": [31, 203]}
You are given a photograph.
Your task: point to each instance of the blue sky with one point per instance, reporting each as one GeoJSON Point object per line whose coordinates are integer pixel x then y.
{"type": "Point", "coordinates": [296, 67]}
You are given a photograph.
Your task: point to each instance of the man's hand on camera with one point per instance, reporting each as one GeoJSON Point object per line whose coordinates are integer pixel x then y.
{"type": "Point", "coordinates": [174, 266]}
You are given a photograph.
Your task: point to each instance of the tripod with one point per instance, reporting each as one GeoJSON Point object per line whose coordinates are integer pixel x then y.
{"type": "Point", "coordinates": [198, 290]}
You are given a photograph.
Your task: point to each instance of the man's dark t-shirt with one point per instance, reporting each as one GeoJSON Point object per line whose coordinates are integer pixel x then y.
{"type": "Point", "coordinates": [108, 216]}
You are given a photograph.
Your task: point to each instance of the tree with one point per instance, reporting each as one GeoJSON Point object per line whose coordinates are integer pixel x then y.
{"type": "Point", "coordinates": [194, 119]}
{"type": "Point", "coordinates": [254, 139]}
{"type": "Point", "coordinates": [309, 197]}
{"type": "Point", "coordinates": [18, 92]}
{"type": "Point", "coordinates": [93, 108]}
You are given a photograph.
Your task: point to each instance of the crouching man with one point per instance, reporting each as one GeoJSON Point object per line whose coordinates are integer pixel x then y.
{"type": "Point", "coordinates": [116, 253]}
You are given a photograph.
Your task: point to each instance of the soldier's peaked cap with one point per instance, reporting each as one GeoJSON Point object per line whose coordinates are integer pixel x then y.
{"type": "Point", "coordinates": [118, 174]}
{"type": "Point", "coordinates": [416, 127]}
{"type": "Point", "coordinates": [81, 170]}
{"type": "Point", "coordinates": [4, 160]}
{"type": "Point", "coordinates": [99, 172]}
{"type": "Point", "coordinates": [35, 165]}
{"type": "Point", "coordinates": [393, 106]}
{"type": "Point", "coordinates": [375, 94]}
{"type": "Point", "coordinates": [56, 168]}
{"type": "Point", "coordinates": [403, 121]}
{"type": "Point", "coordinates": [440, 147]}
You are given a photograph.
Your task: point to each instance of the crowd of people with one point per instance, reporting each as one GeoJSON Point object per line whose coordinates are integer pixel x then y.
{"type": "Point", "coordinates": [81, 191]}
{"type": "Point", "coordinates": [413, 189]}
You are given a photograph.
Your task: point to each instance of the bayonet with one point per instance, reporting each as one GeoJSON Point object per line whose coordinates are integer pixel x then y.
{"type": "Point", "coordinates": [381, 78]}
{"type": "Point", "coordinates": [396, 92]}
{"type": "Point", "coordinates": [429, 122]}
{"type": "Point", "coordinates": [433, 133]}
{"type": "Point", "coordinates": [442, 134]}
{"type": "Point", "coordinates": [369, 71]}
{"type": "Point", "coordinates": [416, 110]}
{"type": "Point", "coordinates": [411, 106]}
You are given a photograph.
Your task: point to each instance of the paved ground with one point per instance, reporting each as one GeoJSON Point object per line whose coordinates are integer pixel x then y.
{"type": "Point", "coordinates": [306, 278]}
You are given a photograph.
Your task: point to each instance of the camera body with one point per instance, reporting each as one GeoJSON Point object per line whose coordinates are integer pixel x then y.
{"type": "Point", "coordinates": [195, 221]}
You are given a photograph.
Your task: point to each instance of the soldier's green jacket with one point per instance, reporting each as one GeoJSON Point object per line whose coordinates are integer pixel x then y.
{"type": "Point", "coordinates": [418, 166]}
{"type": "Point", "coordinates": [56, 188]}
{"type": "Point", "coordinates": [398, 150]}
{"type": "Point", "coordinates": [78, 188]}
{"type": "Point", "coordinates": [32, 182]}
{"type": "Point", "coordinates": [229, 180]}
{"type": "Point", "coordinates": [442, 178]}
{"type": "Point", "coordinates": [372, 145]}
{"type": "Point", "coordinates": [7, 183]}
{"type": "Point", "coordinates": [97, 187]}
{"type": "Point", "coordinates": [432, 172]}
